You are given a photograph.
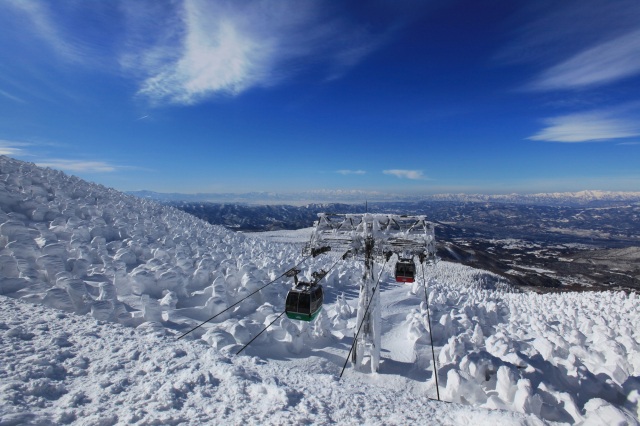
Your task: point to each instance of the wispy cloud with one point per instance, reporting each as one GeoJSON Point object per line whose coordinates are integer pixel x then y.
{"type": "Point", "coordinates": [549, 35]}
{"type": "Point", "coordinates": [78, 165]}
{"type": "Point", "coordinates": [588, 127]}
{"type": "Point", "coordinates": [12, 97]}
{"type": "Point", "coordinates": [29, 149]}
{"type": "Point", "coordinates": [576, 43]}
{"type": "Point", "coordinates": [223, 47]}
{"type": "Point", "coordinates": [601, 64]}
{"type": "Point", "coordinates": [405, 174]}
{"type": "Point", "coordinates": [351, 172]}
{"type": "Point", "coordinates": [13, 148]}
{"type": "Point", "coordinates": [44, 26]}
{"type": "Point", "coordinates": [628, 143]}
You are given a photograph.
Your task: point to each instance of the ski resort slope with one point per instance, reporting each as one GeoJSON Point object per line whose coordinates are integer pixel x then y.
{"type": "Point", "coordinates": [96, 286]}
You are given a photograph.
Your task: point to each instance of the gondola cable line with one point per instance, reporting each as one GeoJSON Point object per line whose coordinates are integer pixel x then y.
{"type": "Point", "coordinates": [433, 354]}
{"type": "Point", "coordinates": [244, 298]}
{"type": "Point", "coordinates": [263, 330]}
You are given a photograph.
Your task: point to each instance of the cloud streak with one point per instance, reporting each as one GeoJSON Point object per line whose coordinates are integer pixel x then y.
{"type": "Point", "coordinates": [12, 97]}
{"type": "Point", "coordinates": [17, 149]}
{"type": "Point", "coordinates": [43, 24]}
{"type": "Point", "coordinates": [405, 174]}
{"type": "Point", "coordinates": [604, 63]}
{"type": "Point", "coordinates": [78, 165]}
{"type": "Point", "coordinates": [576, 43]}
{"type": "Point", "coordinates": [543, 33]}
{"type": "Point", "coordinates": [351, 172]}
{"type": "Point", "coordinates": [13, 148]}
{"type": "Point", "coordinates": [587, 127]}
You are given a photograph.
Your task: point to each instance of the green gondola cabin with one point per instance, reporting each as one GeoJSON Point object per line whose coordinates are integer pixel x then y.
{"type": "Point", "coordinates": [304, 301]}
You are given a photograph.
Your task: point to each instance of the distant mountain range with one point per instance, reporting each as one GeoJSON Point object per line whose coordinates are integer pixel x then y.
{"type": "Point", "coordinates": [586, 198]}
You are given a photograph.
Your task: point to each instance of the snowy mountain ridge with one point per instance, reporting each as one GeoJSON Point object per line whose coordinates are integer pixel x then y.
{"type": "Point", "coordinates": [107, 281]}
{"type": "Point", "coordinates": [584, 197]}
{"type": "Point", "coordinates": [580, 197]}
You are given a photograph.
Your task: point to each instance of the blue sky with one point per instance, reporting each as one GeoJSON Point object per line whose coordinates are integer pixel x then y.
{"type": "Point", "coordinates": [286, 96]}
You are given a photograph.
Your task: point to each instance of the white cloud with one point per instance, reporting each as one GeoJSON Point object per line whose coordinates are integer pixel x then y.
{"type": "Point", "coordinates": [405, 174]}
{"type": "Point", "coordinates": [351, 172]}
{"type": "Point", "coordinates": [604, 63]}
{"type": "Point", "coordinates": [12, 148]}
{"type": "Point", "coordinates": [7, 150]}
{"type": "Point", "coordinates": [77, 165]}
{"type": "Point", "coordinates": [223, 47]}
{"type": "Point", "coordinates": [587, 127]}
{"type": "Point", "coordinates": [218, 56]}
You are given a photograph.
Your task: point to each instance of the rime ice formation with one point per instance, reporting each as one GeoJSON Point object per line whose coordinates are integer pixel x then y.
{"type": "Point", "coordinates": [107, 281]}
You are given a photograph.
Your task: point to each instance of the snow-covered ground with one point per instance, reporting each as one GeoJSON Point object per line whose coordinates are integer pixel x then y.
{"type": "Point", "coordinates": [107, 282]}
{"type": "Point", "coordinates": [299, 236]}
{"type": "Point", "coordinates": [60, 368]}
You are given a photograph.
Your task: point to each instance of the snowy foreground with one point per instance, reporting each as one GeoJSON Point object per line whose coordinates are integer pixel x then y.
{"type": "Point", "coordinates": [106, 282]}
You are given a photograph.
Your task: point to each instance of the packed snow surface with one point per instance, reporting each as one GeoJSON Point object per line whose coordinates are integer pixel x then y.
{"type": "Point", "coordinates": [107, 282]}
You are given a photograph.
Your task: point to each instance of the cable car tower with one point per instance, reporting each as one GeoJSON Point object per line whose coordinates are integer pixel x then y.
{"type": "Point", "coordinates": [372, 237]}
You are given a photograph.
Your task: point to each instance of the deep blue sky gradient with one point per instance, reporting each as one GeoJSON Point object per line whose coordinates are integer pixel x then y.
{"type": "Point", "coordinates": [427, 97]}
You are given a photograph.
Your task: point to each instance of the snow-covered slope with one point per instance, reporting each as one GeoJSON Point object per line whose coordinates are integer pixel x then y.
{"type": "Point", "coordinates": [100, 257]}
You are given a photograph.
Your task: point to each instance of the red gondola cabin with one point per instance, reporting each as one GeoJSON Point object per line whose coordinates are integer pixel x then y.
{"type": "Point", "coordinates": [405, 271]}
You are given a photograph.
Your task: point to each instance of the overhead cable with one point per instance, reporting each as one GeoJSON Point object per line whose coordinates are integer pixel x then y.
{"type": "Point", "coordinates": [244, 298]}
{"type": "Point", "coordinates": [433, 355]}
